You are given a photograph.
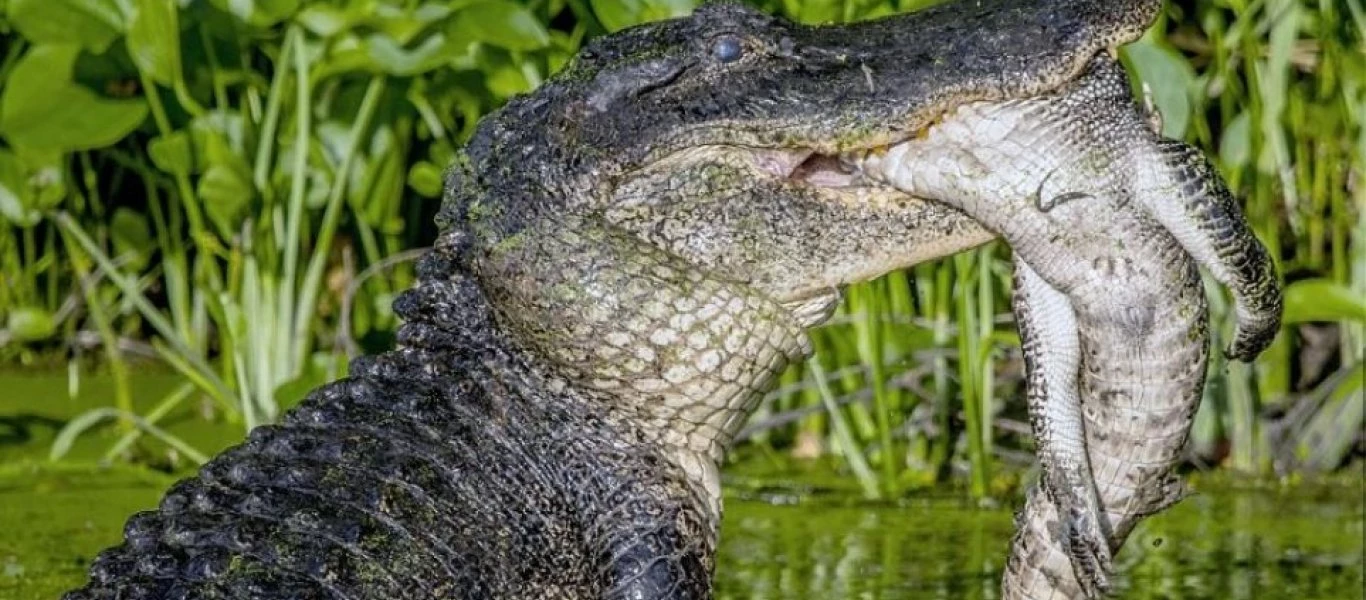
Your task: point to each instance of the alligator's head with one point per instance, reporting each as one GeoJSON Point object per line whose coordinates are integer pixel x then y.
{"type": "Point", "coordinates": [662, 220]}
{"type": "Point", "coordinates": [712, 136]}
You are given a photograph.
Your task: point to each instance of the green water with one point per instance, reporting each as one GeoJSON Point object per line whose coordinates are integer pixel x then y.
{"type": "Point", "coordinates": [1231, 540]}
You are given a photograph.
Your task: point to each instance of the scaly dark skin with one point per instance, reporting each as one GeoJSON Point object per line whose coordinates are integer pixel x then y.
{"type": "Point", "coordinates": [628, 258]}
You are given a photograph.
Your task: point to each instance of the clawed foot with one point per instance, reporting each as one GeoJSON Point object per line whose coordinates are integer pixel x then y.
{"type": "Point", "coordinates": [1089, 549]}
{"type": "Point", "coordinates": [1086, 542]}
{"type": "Point", "coordinates": [1254, 333]}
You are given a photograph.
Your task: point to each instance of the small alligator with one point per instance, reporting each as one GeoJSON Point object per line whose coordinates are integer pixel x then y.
{"type": "Point", "coordinates": [1107, 221]}
{"type": "Point", "coordinates": [628, 257]}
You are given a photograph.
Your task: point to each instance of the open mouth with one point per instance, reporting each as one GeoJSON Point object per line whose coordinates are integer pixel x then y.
{"type": "Point", "coordinates": [814, 168]}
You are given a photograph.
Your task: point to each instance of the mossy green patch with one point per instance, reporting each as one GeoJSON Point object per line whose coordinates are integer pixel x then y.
{"type": "Point", "coordinates": [56, 519]}
{"type": "Point", "coordinates": [793, 530]}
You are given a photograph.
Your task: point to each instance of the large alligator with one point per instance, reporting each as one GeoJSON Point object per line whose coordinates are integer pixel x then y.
{"type": "Point", "coordinates": [628, 258]}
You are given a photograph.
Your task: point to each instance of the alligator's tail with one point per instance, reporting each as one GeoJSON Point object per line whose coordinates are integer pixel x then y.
{"type": "Point", "coordinates": [369, 489]}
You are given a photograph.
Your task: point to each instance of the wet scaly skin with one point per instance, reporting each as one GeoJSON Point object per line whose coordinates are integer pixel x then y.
{"type": "Point", "coordinates": [627, 258]}
{"type": "Point", "coordinates": [1107, 222]}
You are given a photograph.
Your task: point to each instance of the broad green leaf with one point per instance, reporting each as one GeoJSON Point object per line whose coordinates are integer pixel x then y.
{"type": "Point", "coordinates": [321, 368]}
{"type": "Point", "coordinates": [616, 15]}
{"type": "Point", "coordinates": [1235, 145]}
{"type": "Point", "coordinates": [1332, 431]}
{"type": "Point", "coordinates": [225, 188]}
{"type": "Point", "coordinates": [506, 81]}
{"type": "Point", "coordinates": [620, 14]}
{"type": "Point", "coordinates": [393, 59]}
{"type": "Point", "coordinates": [154, 40]}
{"type": "Point", "coordinates": [501, 24]}
{"type": "Point", "coordinates": [218, 135]}
{"type": "Point", "coordinates": [41, 108]}
{"type": "Point", "coordinates": [1322, 300]}
{"type": "Point", "coordinates": [30, 183]}
{"type": "Point", "coordinates": [132, 238]}
{"type": "Point", "coordinates": [1169, 77]}
{"type": "Point", "coordinates": [274, 11]}
{"type": "Point", "coordinates": [45, 177]}
{"type": "Point", "coordinates": [425, 178]}
{"type": "Point", "coordinates": [324, 20]}
{"type": "Point", "coordinates": [31, 324]}
{"type": "Point", "coordinates": [91, 24]}
{"type": "Point", "coordinates": [172, 153]}
{"type": "Point", "coordinates": [403, 26]}
{"type": "Point", "coordinates": [813, 13]}
{"type": "Point", "coordinates": [259, 13]}
{"type": "Point", "coordinates": [226, 192]}
{"type": "Point", "coordinates": [15, 202]}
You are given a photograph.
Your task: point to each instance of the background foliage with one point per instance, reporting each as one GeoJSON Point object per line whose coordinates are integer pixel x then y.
{"type": "Point", "coordinates": [232, 188]}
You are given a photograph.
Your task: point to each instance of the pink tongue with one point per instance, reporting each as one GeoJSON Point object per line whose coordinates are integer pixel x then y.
{"type": "Point", "coordinates": [780, 163]}
{"type": "Point", "coordinates": [829, 179]}
{"type": "Point", "coordinates": [823, 171]}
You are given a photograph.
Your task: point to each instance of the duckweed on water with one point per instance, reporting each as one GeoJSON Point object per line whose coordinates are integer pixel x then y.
{"type": "Point", "coordinates": [788, 532]}
{"type": "Point", "coordinates": [1222, 543]}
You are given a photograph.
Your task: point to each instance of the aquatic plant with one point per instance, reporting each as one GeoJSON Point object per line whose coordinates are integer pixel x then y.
{"type": "Point", "coordinates": [231, 187]}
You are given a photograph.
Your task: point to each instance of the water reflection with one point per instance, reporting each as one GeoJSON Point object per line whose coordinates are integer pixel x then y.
{"type": "Point", "coordinates": [1240, 545]}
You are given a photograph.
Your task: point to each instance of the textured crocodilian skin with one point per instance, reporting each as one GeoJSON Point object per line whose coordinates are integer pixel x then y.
{"type": "Point", "coordinates": [628, 257]}
{"type": "Point", "coordinates": [1107, 221]}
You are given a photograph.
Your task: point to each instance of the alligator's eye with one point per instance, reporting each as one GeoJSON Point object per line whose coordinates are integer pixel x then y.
{"type": "Point", "coordinates": [727, 49]}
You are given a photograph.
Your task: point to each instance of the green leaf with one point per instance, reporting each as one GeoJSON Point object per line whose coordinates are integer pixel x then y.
{"type": "Point", "coordinates": [620, 14]}
{"type": "Point", "coordinates": [30, 183]}
{"type": "Point", "coordinates": [393, 59]}
{"type": "Point", "coordinates": [1235, 145]}
{"type": "Point", "coordinates": [41, 108]}
{"type": "Point", "coordinates": [132, 238]}
{"type": "Point", "coordinates": [1170, 78]}
{"type": "Point", "coordinates": [91, 24]}
{"type": "Point", "coordinates": [31, 324]}
{"type": "Point", "coordinates": [326, 21]}
{"type": "Point", "coordinates": [154, 40]}
{"type": "Point", "coordinates": [172, 153]}
{"type": "Point", "coordinates": [502, 76]}
{"type": "Point", "coordinates": [1331, 433]}
{"type": "Point", "coordinates": [321, 368]}
{"type": "Point", "coordinates": [259, 13]}
{"type": "Point", "coordinates": [814, 13]}
{"type": "Point", "coordinates": [425, 178]}
{"type": "Point", "coordinates": [45, 170]}
{"type": "Point", "coordinates": [225, 188]}
{"type": "Point", "coordinates": [226, 193]}
{"type": "Point", "coordinates": [1322, 300]}
{"type": "Point", "coordinates": [501, 24]}
{"type": "Point", "coordinates": [15, 204]}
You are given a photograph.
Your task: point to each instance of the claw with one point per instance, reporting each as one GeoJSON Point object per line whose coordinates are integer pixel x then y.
{"type": "Point", "coordinates": [1089, 550]}
{"type": "Point", "coordinates": [1194, 205]}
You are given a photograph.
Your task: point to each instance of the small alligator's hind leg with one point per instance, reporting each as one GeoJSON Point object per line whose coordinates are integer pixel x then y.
{"type": "Point", "coordinates": [1191, 201]}
{"type": "Point", "coordinates": [1048, 336]}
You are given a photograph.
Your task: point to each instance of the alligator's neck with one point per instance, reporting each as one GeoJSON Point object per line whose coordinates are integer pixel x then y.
{"type": "Point", "coordinates": [671, 358]}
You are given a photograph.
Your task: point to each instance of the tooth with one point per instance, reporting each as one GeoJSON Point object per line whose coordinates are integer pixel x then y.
{"type": "Point", "coordinates": [871, 165]}
{"type": "Point", "coordinates": [849, 162]}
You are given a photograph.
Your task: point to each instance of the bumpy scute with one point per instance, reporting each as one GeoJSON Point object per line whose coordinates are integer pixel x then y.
{"type": "Point", "coordinates": [496, 453]}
